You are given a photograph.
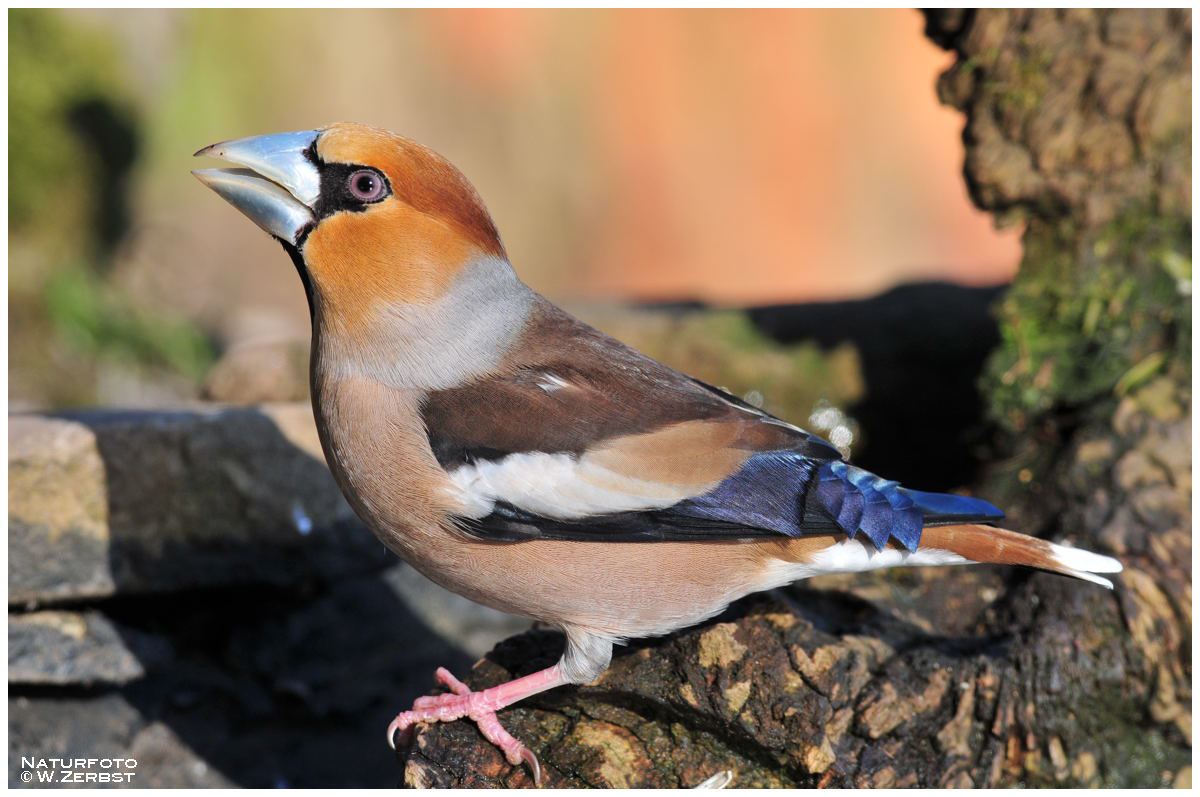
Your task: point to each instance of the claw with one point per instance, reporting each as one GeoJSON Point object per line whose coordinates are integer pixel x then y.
{"type": "Point", "coordinates": [535, 768]}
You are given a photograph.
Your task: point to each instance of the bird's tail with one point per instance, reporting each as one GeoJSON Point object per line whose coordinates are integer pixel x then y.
{"type": "Point", "coordinates": [911, 528]}
{"type": "Point", "coordinates": [988, 544]}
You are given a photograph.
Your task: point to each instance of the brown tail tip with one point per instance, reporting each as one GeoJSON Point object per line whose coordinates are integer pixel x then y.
{"type": "Point", "coordinates": [987, 544]}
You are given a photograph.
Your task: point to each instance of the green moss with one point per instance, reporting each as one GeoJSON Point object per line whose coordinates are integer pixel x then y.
{"type": "Point", "coordinates": [1132, 753]}
{"type": "Point", "coordinates": [1024, 86]}
{"type": "Point", "coordinates": [1091, 316]}
{"type": "Point", "coordinates": [982, 61]}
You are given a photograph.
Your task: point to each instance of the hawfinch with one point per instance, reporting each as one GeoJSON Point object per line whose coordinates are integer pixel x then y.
{"type": "Point", "coordinates": [525, 460]}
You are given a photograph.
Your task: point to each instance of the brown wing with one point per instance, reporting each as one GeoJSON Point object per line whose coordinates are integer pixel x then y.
{"type": "Point", "coordinates": [568, 388]}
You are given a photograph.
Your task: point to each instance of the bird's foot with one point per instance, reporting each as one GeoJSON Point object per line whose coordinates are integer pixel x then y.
{"type": "Point", "coordinates": [462, 702]}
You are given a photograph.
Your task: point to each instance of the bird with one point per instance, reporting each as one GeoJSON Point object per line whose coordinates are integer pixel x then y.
{"type": "Point", "coordinates": [523, 459]}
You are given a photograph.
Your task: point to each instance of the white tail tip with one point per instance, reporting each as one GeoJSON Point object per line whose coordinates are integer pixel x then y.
{"type": "Point", "coordinates": [1085, 564]}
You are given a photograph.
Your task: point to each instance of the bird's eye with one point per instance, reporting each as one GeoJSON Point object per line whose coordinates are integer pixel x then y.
{"type": "Point", "coordinates": [366, 185]}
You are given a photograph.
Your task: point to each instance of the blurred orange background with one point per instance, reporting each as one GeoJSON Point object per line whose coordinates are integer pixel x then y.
{"type": "Point", "coordinates": [754, 156]}
{"type": "Point", "coordinates": [733, 157]}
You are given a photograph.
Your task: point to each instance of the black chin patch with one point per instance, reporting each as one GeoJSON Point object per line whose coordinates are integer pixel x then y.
{"type": "Point", "coordinates": [293, 252]}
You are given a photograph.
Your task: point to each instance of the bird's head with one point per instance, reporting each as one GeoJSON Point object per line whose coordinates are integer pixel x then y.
{"type": "Point", "coordinates": [405, 274]}
{"type": "Point", "coordinates": [371, 219]}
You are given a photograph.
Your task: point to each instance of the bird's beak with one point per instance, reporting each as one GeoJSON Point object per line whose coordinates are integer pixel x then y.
{"type": "Point", "coordinates": [280, 185]}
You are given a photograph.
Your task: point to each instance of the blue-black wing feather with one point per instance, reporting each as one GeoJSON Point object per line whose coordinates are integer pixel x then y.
{"type": "Point", "coordinates": [773, 493]}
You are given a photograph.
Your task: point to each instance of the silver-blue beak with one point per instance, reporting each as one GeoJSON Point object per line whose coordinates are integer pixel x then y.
{"type": "Point", "coordinates": [278, 188]}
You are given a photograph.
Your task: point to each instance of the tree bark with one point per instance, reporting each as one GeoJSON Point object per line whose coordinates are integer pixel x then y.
{"type": "Point", "coordinates": [1077, 126]}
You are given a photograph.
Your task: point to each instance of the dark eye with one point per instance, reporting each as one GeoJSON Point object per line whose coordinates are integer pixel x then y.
{"type": "Point", "coordinates": [366, 185]}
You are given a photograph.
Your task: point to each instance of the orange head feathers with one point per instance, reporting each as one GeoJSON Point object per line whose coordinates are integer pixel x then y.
{"type": "Point", "coordinates": [420, 178]}
{"type": "Point", "coordinates": [370, 217]}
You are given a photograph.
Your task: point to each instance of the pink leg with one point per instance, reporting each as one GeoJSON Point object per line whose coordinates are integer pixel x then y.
{"type": "Point", "coordinates": [481, 707]}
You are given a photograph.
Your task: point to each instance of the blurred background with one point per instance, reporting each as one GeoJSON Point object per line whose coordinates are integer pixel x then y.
{"type": "Point", "coordinates": [772, 201]}
{"type": "Point", "coordinates": [731, 158]}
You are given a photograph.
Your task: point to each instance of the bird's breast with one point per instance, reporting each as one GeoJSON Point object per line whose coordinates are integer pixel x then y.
{"type": "Point", "coordinates": [379, 454]}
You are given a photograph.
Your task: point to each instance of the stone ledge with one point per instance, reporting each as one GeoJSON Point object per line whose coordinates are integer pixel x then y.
{"type": "Point", "coordinates": [116, 502]}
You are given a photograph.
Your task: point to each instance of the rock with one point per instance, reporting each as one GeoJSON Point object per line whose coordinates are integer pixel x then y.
{"type": "Point", "coordinates": [304, 679]}
{"type": "Point", "coordinates": [103, 728]}
{"type": "Point", "coordinates": [111, 502]}
{"type": "Point", "coordinates": [228, 614]}
{"type": "Point", "coordinates": [53, 647]}
{"type": "Point", "coordinates": [252, 373]}
{"type": "Point", "coordinates": [57, 523]}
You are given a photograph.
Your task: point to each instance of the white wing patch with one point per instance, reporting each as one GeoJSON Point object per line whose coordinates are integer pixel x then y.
{"type": "Point", "coordinates": [560, 486]}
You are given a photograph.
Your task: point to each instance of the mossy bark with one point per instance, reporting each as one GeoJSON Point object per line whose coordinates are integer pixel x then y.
{"type": "Point", "coordinates": [1078, 126]}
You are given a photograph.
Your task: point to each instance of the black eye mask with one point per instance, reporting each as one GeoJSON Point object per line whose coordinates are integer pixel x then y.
{"type": "Point", "coordinates": [335, 191]}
